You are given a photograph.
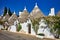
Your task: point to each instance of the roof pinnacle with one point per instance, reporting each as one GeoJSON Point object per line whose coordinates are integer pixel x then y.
{"type": "Point", "coordinates": [25, 8]}
{"type": "Point", "coordinates": [36, 5]}
{"type": "Point", "coordinates": [14, 12]}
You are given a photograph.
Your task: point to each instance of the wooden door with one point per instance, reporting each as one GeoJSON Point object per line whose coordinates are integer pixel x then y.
{"type": "Point", "coordinates": [29, 28]}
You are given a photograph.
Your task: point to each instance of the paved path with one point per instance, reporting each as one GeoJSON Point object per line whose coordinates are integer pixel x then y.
{"type": "Point", "coordinates": [5, 35]}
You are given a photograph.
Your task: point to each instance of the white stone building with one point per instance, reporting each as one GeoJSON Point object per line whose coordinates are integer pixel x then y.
{"type": "Point", "coordinates": [44, 29]}
{"type": "Point", "coordinates": [25, 27]}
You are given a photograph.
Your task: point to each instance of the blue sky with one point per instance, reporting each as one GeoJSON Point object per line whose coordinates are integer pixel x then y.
{"type": "Point", "coordinates": [18, 5]}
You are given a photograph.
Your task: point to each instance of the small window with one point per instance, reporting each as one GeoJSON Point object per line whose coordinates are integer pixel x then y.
{"type": "Point", "coordinates": [41, 34]}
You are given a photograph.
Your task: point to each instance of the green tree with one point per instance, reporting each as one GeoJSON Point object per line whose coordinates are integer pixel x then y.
{"type": "Point", "coordinates": [9, 11]}
{"type": "Point", "coordinates": [57, 27]}
{"type": "Point", "coordinates": [35, 24]}
{"type": "Point", "coordinates": [5, 11]}
{"type": "Point", "coordinates": [19, 27]}
{"type": "Point", "coordinates": [36, 27]}
{"type": "Point", "coordinates": [54, 23]}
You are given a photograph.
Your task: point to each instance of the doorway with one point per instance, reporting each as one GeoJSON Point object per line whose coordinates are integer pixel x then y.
{"type": "Point", "coordinates": [29, 28]}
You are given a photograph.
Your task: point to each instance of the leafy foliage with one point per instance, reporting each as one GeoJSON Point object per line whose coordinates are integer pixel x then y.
{"type": "Point", "coordinates": [35, 26]}
{"type": "Point", "coordinates": [35, 22]}
{"type": "Point", "coordinates": [19, 27]}
{"type": "Point", "coordinates": [5, 11]}
{"type": "Point", "coordinates": [54, 24]}
{"type": "Point", "coordinates": [9, 11]}
{"type": "Point", "coordinates": [57, 27]}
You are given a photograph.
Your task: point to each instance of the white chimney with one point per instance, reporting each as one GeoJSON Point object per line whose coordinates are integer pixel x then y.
{"type": "Point", "coordinates": [25, 8]}
{"type": "Point", "coordinates": [52, 12]}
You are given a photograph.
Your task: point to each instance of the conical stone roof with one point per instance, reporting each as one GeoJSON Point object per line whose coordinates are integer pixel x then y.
{"type": "Point", "coordinates": [1, 17]}
{"type": "Point", "coordinates": [36, 12]}
{"type": "Point", "coordinates": [58, 14]}
{"type": "Point", "coordinates": [23, 16]}
{"type": "Point", "coordinates": [6, 17]}
{"type": "Point", "coordinates": [12, 19]}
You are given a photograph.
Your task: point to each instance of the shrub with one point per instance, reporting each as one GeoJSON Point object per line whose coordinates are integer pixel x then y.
{"type": "Point", "coordinates": [19, 27]}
